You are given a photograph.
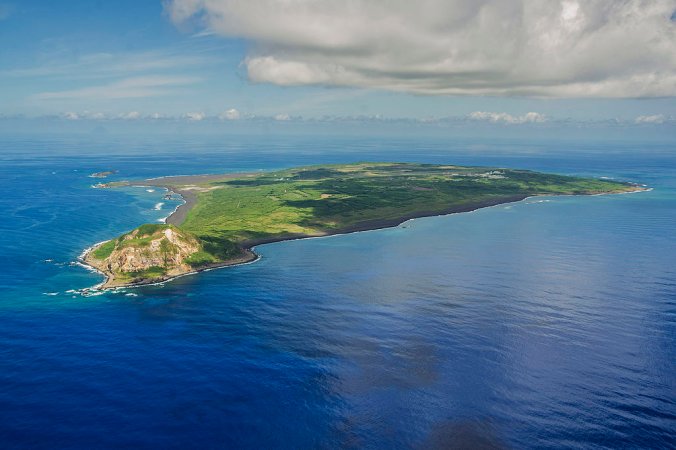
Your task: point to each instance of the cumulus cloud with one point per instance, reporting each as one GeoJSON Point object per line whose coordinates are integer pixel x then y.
{"type": "Point", "coordinates": [655, 118]}
{"type": "Point", "coordinates": [70, 115]}
{"type": "Point", "coordinates": [195, 116]}
{"type": "Point", "coordinates": [94, 115]}
{"type": "Point", "coordinates": [132, 115]}
{"type": "Point", "coordinates": [551, 48]}
{"type": "Point", "coordinates": [282, 117]}
{"type": "Point", "coordinates": [531, 117]}
{"type": "Point", "coordinates": [231, 114]}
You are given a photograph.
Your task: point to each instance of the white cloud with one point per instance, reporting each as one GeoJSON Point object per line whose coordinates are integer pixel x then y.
{"type": "Point", "coordinates": [531, 117]}
{"type": "Point", "coordinates": [94, 115]}
{"type": "Point", "coordinates": [84, 115]}
{"type": "Point", "coordinates": [135, 87]}
{"type": "Point", "coordinates": [132, 115]}
{"type": "Point", "coordinates": [655, 118]}
{"type": "Point", "coordinates": [282, 117]}
{"type": "Point", "coordinates": [552, 48]}
{"type": "Point", "coordinates": [231, 114]}
{"type": "Point", "coordinates": [195, 116]}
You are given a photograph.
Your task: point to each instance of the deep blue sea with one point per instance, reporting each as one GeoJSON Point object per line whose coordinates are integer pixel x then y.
{"type": "Point", "coordinates": [548, 323]}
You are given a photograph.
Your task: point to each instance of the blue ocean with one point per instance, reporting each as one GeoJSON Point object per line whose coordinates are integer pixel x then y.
{"type": "Point", "coordinates": [547, 323]}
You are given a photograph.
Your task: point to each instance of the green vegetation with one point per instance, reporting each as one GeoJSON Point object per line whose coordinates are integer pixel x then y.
{"type": "Point", "coordinates": [200, 259]}
{"type": "Point", "coordinates": [141, 236]}
{"type": "Point", "coordinates": [149, 229]}
{"type": "Point", "coordinates": [317, 200]}
{"type": "Point", "coordinates": [104, 250]}
{"type": "Point", "coordinates": [233, 213]}
{"type": "Point", "coordinates": [150, 273]}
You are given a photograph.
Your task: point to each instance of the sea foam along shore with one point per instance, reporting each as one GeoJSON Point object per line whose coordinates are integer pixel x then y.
{"type": "Point", "coordinates": [177, 216]}
{"type": "Point", "coordinates": [82, 257]}
{"type": "Point", "coordinates": [158, 206]}
{"type": "Point", "coordinates": [248, 258]}
{"type": "Point", "coordinates": [166, 219]}
{"type": "Point", "coordinates": [82, 262]}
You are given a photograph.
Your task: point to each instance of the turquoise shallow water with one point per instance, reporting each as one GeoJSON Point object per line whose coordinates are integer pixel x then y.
{"type": "Point", "coordinates": [549, 323]}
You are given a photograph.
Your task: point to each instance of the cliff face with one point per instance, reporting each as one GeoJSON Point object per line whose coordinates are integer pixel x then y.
{"type": "Point", "coordinates": [168, 249]}
{"type": "Point", "coordinates": [146, 254]}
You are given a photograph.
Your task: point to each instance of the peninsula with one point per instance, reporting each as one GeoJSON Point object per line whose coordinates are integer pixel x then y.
{"type": "Point", "coordinates": [225, 216]}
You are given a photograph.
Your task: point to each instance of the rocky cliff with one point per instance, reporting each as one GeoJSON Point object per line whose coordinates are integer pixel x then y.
{"type": "Point", "coordinates": [147, 254]}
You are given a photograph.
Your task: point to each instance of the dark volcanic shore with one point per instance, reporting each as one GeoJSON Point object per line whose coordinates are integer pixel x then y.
{"type": "Point", "coordinates": [386, 223]}
{"type": "Point", "coordinates": [177, 185]}
{"type": "Point", "coordinates": [249, 255]}
{"type": "Point", "coordinates": [179, 215]}
{"type": "Point", "coordinates": [188, 187]}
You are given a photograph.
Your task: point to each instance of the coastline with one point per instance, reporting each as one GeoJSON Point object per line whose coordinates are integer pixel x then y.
{"type": "Point", "coordinates": [248, 257]}
{"type": "Point", "coordinates": [248, 247]}
{"type": "Point", "coordinates": [179, 214]}
{"type": "Point", "coordinates": [189, 196]}
{"type": "Point", "coordinates": [190, 199]}
{"type": "Point", "coordinates": [82, 260]}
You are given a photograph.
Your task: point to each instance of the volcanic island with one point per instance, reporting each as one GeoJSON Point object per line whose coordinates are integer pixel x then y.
{"type": "Point", "coordinates": [225, 216]}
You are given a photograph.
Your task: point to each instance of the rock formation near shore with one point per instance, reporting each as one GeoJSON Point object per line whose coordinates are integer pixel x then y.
{"type": "Point", "coordinates": [168, 249]}
{"type": "Point", "coordinates": [148, 253]}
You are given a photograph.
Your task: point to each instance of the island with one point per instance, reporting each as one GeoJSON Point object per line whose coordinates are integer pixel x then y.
{"type": "Point", "coordinates": [225, 216]}
{"type": "Point", "coordinates": [104, 174]}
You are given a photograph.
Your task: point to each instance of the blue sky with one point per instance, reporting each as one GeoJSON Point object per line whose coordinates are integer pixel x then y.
{"type": "Point", "coordinates": [194, 59]}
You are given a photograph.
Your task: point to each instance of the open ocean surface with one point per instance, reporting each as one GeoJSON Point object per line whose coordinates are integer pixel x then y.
{"type": "Point", "coordinates": [549, 323]}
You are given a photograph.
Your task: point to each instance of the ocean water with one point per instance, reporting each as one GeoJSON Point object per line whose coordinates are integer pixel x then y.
{"type": "Point", "coordinates": [548, 323]}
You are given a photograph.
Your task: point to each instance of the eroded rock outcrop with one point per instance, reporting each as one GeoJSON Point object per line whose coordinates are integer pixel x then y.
{"type": "Point", "coordinates": [148, 253]}
{"type": "Point", "coordinates": [167, 249]}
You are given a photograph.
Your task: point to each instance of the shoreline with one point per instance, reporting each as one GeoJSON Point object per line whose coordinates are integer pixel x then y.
{"type": "Point", "coordinates": [248, 247]}
{"type": "Point", "coordinates": [179, 213]}
{"type": "Point", "coordinates": [189, 196]}
{"type": "Point", "coordinates": [251, 256]}
{"type": "Point", "coordinates": [190, 199]}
